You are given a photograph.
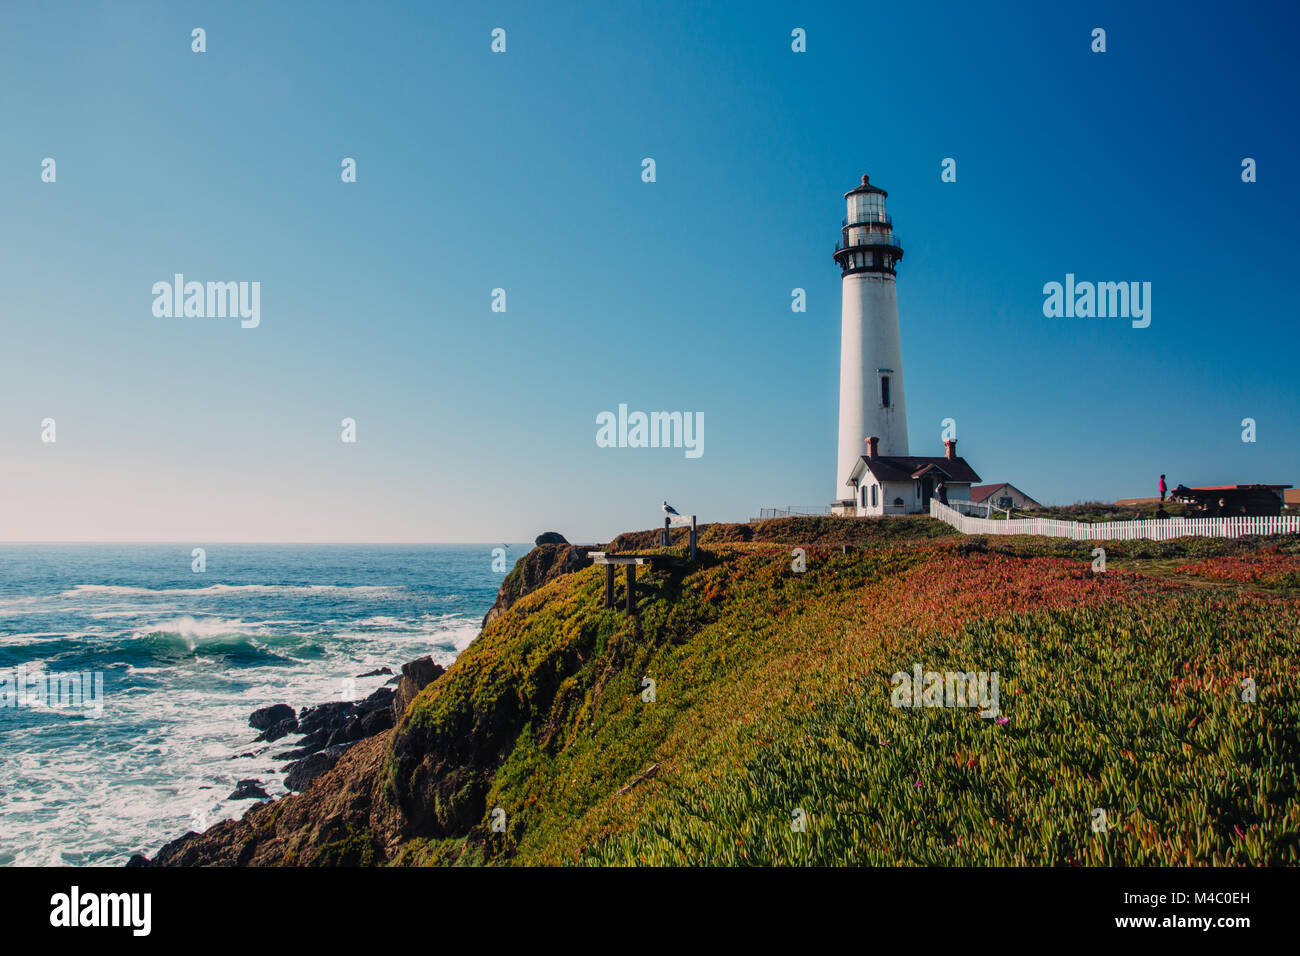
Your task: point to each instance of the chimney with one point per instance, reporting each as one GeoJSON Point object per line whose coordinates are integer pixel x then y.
{"type": "Point", "coordinates": [950, 448]}
{"type": "Point", "coordinates": [872, 444]}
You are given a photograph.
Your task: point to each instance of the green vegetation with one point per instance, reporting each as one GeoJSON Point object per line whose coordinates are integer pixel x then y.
{"type": "Point", "coordinates": [1095, 511]}
{"type": "Point", "coordinates": [1120, 691]}
{"type": "Point", "coordinates": [349, 844]}
{"type": "Point", "coordinates": [797, 531]}
{"type": "Point", "coordinates": [1142, 718]}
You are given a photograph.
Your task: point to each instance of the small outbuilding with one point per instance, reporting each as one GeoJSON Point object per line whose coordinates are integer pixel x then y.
{"type": "Point", "coordinates": [1004, 496]}
{"type": "Point", "coordinates": [904, 484]}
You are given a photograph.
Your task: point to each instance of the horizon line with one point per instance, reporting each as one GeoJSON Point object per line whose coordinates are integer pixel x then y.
{"type": "Point", "coordinates": [190, 543]}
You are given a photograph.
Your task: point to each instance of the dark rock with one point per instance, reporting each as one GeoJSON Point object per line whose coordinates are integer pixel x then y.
{"type": "Point", "coordinates": [550, 537]}
{"type": "Point", "coordinates": [416, 675]}
{"type": "Point", "coordinates": [325, 725]}
{"type": "Point", "coordinates": [281, 729]}
{"type": "Point", "coordinates": [180, 852]}
{"type": "Point", "coordinates": [138, 859]}
{"type": "Point", "coordinates": [315, 740]}
{"type": "Point", "coordinates": [327, 716]}
{"type": "Point", "coordinates": [249, 790]}
{"type": "Point", "coordinates": [348, 733]}
{"type": "Point", "coordinates": [379, 672]}
{"type": "Point", "coordinates": [303, 772]}
{"type": "Point", "coordinates": [382, 699]}
{"type": "Point", "coordinates": [394, 680]}
{"type": "Point", "coordinates": [376, 722]}
{"type": "Point", "coordinates": [371, 716]}
{"type": "Point", "coordinates": [269, 716]}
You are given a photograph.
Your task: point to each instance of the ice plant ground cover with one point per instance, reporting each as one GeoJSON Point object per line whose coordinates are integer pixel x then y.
{"type": "Point", "coordinates": [772, 738]}
{"type": "Point", "coordinates": [1134, 709]}
{"type": "Point", "coordinates": [1267, 569]}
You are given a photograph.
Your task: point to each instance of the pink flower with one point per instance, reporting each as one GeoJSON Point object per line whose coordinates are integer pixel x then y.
{"type": "Point", "coordinates": [1003, 720]}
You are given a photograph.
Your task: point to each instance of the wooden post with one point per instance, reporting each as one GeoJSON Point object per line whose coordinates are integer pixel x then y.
{"type": "Point", "coordinates": [693, 537]}
{"type": "Point", "coordinates": [667, 521]}
{"type": "Point", "coordinates": [631, 589]}
{"type": "Point", "coordinates": [609, 585]}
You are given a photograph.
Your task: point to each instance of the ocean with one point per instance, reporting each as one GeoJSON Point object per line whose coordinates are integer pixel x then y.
{"type": "Point", "coordinates": [184, 658]}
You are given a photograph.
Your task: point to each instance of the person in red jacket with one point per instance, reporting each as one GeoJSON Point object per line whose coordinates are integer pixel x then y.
{"type": "Point", "coordinates": [1163, 489]}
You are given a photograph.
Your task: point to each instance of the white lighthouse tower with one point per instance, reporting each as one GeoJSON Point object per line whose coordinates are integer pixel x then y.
{"type": "Point", "coordinates": [871, 360]}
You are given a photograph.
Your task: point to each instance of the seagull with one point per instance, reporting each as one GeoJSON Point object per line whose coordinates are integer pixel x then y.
{"type": "Point", "coordinates": [669, 509]}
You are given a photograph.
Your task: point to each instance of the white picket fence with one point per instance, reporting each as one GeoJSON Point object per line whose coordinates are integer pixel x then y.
{"type": "Point", "coordinates": [981, 509]}
{"type": "Point", "coordinates": [1154, 529]}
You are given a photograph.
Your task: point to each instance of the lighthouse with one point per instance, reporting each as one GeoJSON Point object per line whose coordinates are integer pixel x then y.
{"type": "Point", "coordinates": [871, 360]}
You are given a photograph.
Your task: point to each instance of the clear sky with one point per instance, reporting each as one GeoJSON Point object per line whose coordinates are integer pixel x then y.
{"type": "Point", "coordinates": [522, 171]}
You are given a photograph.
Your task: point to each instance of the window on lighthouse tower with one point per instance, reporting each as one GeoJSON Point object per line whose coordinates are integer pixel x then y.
{"type": "Point", "coordinates": [884, 391]}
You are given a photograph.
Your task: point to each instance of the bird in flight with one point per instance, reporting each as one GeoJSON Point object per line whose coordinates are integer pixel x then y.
{"type": "Point", "coordinates": [669, 509]}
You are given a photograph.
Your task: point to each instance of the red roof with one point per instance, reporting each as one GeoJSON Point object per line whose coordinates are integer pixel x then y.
{"type": "Point", "coordinates": [979, 492]}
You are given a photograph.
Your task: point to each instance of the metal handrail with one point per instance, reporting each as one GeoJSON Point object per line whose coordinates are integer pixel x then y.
{"type": "Point", "coordinates": [792, 511]}
{"type": "Point", "coordinates": [870, 241]}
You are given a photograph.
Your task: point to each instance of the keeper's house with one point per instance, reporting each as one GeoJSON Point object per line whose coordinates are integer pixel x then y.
{"type": "Point", "coordinates": [904, 484]}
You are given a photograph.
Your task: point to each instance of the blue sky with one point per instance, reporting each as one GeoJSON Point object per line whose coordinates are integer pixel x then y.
{"type": "Point", "coordinates": [522, 171]}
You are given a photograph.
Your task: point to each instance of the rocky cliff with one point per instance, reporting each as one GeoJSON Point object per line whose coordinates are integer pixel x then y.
{"type": "Point", "coordinates": [751, 685]}
{"type": "Point", "coordinates": [545, 562]}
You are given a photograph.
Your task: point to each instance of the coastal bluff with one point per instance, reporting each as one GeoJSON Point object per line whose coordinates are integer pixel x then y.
{"type": "Point", "coordinates": [414, 791]}
{"type": "Point", "coordinates": [757, 679]}
{"type": "Point", "coordinates": [550, 557]}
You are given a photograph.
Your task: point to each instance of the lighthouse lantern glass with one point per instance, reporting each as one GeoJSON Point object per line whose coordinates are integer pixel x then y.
{"type": "Point", "coordinates": [866, 207]}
